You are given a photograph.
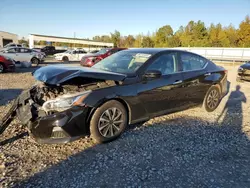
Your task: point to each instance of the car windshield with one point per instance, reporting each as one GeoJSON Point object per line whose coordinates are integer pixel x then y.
{"type": "Point", "coordinates": [123, 62]}
{"type": "Point", "coordinates": [103, 51]}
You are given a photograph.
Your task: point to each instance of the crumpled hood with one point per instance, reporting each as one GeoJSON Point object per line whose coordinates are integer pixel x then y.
{"type": "Point", "coordinates": [57, 74]}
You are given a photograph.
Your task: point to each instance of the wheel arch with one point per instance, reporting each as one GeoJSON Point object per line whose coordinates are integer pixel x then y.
{"type": "Point", "coordinates": [4, 66]}
{"type": "Point", "coordinates": [65, 56]}
{"type": "Point", "coordinates": [100, 103]}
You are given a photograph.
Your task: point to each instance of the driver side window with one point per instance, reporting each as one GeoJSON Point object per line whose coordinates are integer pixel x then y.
{"type": "Point", "coordinates": [166, 64]}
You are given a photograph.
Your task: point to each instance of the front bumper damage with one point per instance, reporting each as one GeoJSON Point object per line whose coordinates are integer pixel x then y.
{"type": "Point", "coordinates": [60, 127]}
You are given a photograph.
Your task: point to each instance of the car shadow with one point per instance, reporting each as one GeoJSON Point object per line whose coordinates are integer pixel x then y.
{"type": "Point", "coordinates": [6, 95]}
{"type": "Point", "coordinates": [187, 151]}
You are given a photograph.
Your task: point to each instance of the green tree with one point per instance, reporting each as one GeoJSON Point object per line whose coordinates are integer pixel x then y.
{"type": "Point", "coordinates": [96, 38]}
{"type": "Point", "coordinates": [163, 36]}
{"type": "Point", "coordinates": [217, 36]}
{"type": "Point", "coordinates": [199, 35]}
{"type": "Point", "coordinates": [129, 41]}
{"type": "Point", "coordinates": [174, 41]}
{"type": "Point", "coordinates": [244, 32]}
{"type": "Point", "coordinates": [194, 34]}
{"type": "Point", "coordinates": [23, 41]}
{"type": "Point", "coordinates": [138, 41]}
{"type": "Point", "coordinates": [147, 42]}
{"type": "Point", "coordinates": [115, 38]}
{"type": "Point", "coordinates": [232, 35]}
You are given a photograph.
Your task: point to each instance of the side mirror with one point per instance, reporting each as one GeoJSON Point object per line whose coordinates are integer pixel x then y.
{"type": "Point", "coordinates": [152, 74]}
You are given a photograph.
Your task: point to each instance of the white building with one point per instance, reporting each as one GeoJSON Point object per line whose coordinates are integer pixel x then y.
{"type": "Point", "coordinates": [6, 38]}
{"type": "Point", "coordinates": [89, 43]}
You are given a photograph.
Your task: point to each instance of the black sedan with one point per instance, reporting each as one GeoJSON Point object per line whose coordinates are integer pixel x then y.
{"type": "Point", "coordinates": [244, 72]}
{"type": "Point", "coordinates": [128, 87]}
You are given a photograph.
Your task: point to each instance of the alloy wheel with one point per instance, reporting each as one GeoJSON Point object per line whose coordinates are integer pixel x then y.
{"type": "Point", "coordinates": [110, 122]}
{"type": "Point", "coordinates": [35, 61]}
{"type": "Point", "coordinates": [213, 99]}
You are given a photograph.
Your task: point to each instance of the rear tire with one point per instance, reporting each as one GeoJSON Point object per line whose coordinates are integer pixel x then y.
{"type": "Point", "coordinates": [2, 68]}
{"type": "Point", "coordinates": [65, 59]}
{"type": "Point", "coordinates": [108, 121]}
{"type": "Point", "coordinates": [212, 98]}
{"type": "Point", "coordinates": [35, 61]}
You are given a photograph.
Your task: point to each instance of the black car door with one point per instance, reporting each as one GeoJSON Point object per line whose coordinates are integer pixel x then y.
{"type": "Point", "coordinates": [162, 95]}
{"type": "Point", "coordinates": [194, 75]}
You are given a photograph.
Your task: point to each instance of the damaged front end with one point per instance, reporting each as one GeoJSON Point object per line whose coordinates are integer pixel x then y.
{"type": "Point", "coordinates": [54, 114]}
{"type": "Point", "coordinates": [54, 109]}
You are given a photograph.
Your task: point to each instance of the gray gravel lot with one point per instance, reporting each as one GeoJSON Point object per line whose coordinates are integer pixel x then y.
{"type": "Point", "coordinates": [186, 149]}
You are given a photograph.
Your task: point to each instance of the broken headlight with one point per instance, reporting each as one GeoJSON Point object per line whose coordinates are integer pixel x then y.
{"type": "Point", "coordinates": [64, 102]}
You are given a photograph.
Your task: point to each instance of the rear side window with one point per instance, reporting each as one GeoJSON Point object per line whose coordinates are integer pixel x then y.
{"type": "Point", "coordinates": [24, 50]}
{"type": "Point", "coordinates": [192, 62]}
{"type": "Point", "coordinates": [166, 64]}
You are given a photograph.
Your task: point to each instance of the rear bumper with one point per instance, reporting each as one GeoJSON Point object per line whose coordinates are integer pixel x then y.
{"type": "Point", "coordinates": [224, 86]}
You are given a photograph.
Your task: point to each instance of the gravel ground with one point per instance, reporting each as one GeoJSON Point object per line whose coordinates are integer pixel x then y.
{"type": "Point", "coordinates": [185, 149]}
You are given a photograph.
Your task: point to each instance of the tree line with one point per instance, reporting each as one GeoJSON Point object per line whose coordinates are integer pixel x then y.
{"type": "Point", "coordinates": [194, 34]}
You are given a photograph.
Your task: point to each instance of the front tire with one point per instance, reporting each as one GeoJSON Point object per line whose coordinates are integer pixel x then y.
{"type": "Point", "coordinates": [212, 99]}
{"type": "Point", "coordinates": [108, 121]}
{"type": "Point", "coordinates": [35, 61]}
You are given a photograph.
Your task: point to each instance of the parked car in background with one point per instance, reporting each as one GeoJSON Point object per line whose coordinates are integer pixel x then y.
{"type": "Point", "coordinates": [6, 64]}
{"type": "Point", "coordinates": [127, 87]}
{"type": "Point", "coordinates": [90, 60]}
{"type": "Point", "coordinates": [70, 55]}
{"type": "Point", "coordinates": [11, 45]}
{"type": "Point", "coordinates": [244, 72]}
{"type": "Point", "coordinates": [23, 55]}
{"type": "Point", "coordinates": [51, 50]}
{"type": "Point", "coordinates": [94, 51]}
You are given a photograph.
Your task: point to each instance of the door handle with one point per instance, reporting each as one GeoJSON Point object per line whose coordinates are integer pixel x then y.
{"type": "Point", "coordinates": [207, 74]}
{"type": "Point", "coordinates": [177, 82]}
